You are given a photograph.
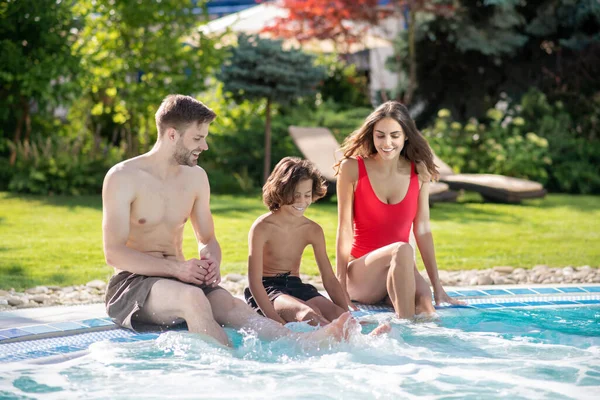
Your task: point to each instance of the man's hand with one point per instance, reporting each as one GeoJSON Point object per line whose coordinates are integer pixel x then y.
{"type": "Point", "coordinates": [441, 296]}
{"type": "Point", "coordinates": [215, 278]}
{"type": "Point", "coordinates": [196, 272]}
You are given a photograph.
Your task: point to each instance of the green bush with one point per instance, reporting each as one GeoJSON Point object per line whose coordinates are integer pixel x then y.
{"type": "Point", "coordinates": [502, 146]}
{"type": "Point", "coordinates": [61, 165]}
{"type": "Point", "coordinates": [573, 141]}
{"type": "Point", "coordinates": [5, 169]}
{"type": "Point", "coordinates": [236, 140]}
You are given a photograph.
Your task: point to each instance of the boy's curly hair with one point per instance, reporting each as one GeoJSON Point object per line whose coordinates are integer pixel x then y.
{"type": "Point", "coordinates": [281, 184]}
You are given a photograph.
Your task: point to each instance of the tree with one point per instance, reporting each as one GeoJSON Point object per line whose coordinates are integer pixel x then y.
{"type": "Point", "coordinates": [37, 65]}
{"type": "Point", "coordinates": [346, 21]}
{"type": "Point", "coordinates": [342, 21]}
{"type": "Point", "coordinates": [466, 62]}
{"type": "Point", "coordinates": [134, 56]}
{"type": "Point", "coordinates": [261, 69]}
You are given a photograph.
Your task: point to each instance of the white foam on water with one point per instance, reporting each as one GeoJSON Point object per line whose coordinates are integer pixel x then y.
{"type": "Point", "coordinates": [424, 360]}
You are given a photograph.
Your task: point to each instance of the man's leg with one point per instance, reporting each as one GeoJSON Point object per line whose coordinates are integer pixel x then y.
{"type": "Point", "coordinates": [170, 300]}
{"type": "Point", "coordinates": [233, 312]}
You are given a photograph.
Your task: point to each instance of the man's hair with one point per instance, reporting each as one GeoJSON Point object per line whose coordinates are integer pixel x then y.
{"type": "Point", "coordinates": [179, 111]}
{"type": "Point", "coordinates": [281, 184]}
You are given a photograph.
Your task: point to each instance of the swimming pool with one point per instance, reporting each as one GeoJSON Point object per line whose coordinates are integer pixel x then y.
{"type": "Point", "coordinates": [526, 351]}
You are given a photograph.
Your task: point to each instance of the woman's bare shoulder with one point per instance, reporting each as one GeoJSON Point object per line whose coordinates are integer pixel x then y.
{"type": "Point", "coordinates": [349, 169]}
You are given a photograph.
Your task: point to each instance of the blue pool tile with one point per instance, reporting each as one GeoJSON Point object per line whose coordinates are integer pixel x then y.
{"type": "Point", "coordinates": [456, 306]}
{"type": "Point", "coordinates": [145, 336]}
{"type": "Point", "coordinates": [591, 289]}
{"type": "Point", "coordinates": [67, 326]}
{"type": "Point", "coordinates": [454, 294]}
{"type": "Point", "coordinates": [496, 292]}
{"type": "Point", "coordinates": [515, 304]}
{"type": "Point", "coordinates": [589, 301]}
{"type": "Point", "coordinates": [471, 293]}
{"type": "Point", "coordinates": [490, 305]}
{"type": "Point", "coordinates": [571, 290]}
{"type": "Point", "coordinates": [563, 302]}
{"type": "Point", "coordinates": [538, 303]}
{"type": "Point", "coordinates": [13, 333]}
{"type": "Point", "coordinates": [13, 358]}
{"type": "Point", "coordinates": [92, 323]}
{"type": "Point", "coordinates": [68, 348]}
{"type": "Point", "coordinates": [122, 340]}
{"type": "Point", "coordinates": [38, 329]}
{"type": "Point", "coordinates": [546, 290]}
{"type": "Point", "coordinates": [522, 291]}
{"type": "Point", "coordinates": [39, 353]}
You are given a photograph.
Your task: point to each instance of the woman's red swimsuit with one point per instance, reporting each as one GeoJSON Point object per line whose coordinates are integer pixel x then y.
{"type": "Point", "coordinates": [377, 224]}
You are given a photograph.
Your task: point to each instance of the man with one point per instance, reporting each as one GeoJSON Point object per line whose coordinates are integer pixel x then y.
{"type": "Point", "coordinates": [146, 202]}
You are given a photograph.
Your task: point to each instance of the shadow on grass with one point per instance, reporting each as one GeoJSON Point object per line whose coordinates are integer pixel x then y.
{"type": "Point", "coordinates": [12, 276]}
{"type": "Point", "coordinates": [70, 202]}
{"type": "Point", "coordinates": [461, 212]}
{"type": "Point", "coordinates": [584, 203]}
{"type": "Point", "coordinates": [552, 200]}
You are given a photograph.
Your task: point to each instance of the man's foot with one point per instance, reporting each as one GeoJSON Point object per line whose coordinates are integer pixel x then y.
{"type": "Point", "coordinates": [384, 327]}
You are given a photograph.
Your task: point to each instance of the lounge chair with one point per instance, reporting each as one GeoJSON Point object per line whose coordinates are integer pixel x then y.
{"type": "Point", "coordinates": [493, 188]}
{"type": "Point", "coordinates": [320, 146]}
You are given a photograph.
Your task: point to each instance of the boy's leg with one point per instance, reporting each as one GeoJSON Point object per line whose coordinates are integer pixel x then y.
{"type": "Point", "coordinates": [328, 308]}
{"type": "Point", "coordinates": [293, 309]}
{"type": "Point", "coordinates": [234, 313]}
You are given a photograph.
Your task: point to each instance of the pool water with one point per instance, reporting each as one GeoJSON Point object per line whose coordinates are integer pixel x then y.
{"type": "Point", "coordinates": [520, 353]}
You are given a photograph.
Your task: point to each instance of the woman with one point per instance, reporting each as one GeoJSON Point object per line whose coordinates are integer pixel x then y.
{"type": "Point", "coordinates": [383, 190]}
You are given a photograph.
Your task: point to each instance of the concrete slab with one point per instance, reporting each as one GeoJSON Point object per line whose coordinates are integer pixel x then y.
{"type": "Point", "coordinates": [45, 315]}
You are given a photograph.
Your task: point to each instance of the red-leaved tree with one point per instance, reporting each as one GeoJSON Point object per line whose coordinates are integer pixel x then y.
{"type": "Point", "coordinates": [345, 22]}
{"type": "Point", "coordinates": [342, 21]}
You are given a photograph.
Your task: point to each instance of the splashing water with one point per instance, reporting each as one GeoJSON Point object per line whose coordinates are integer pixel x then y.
{"type": "Point", "coordinates": [466, 353]}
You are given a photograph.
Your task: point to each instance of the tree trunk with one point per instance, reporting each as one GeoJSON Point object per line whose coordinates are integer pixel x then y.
{"type": "Point", "coordinates": [27, 119]}
{"type": "Point", "coordinates": [412, 54]}
{"type": "Point", "coordinates": [267, 164]}
{"type": "Point", "coordinates": [18, 130]}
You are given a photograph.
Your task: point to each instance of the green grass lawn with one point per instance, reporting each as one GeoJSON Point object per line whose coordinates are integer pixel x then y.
{"type": "Point", "coordinates": [57, 240]}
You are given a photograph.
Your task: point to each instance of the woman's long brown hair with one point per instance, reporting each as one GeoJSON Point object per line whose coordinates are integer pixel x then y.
{"type": "Point", "coordinates": [416, 148]}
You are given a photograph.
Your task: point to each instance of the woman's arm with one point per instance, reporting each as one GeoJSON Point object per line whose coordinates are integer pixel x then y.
{"type": "Point", "coordinates": [256, 244]}
{"type": "Point", "coordinates": [345, 194]}
{"type": "Point", "coordinates": [424, 238]}
{"type": "Point", "coordinates": [331, 284]}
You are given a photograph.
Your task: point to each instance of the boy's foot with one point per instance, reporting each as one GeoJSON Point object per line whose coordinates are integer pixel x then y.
{"type": "Point", "coordinates": [338, 329]}
{"type": "Point", "coordinates": [384, 327]}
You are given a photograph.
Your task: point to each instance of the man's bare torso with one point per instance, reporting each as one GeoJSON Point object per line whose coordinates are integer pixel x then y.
{"type": "Point", "coordinates": [160, 208]}
{"type": "Point", "coordinates": [282, 252]}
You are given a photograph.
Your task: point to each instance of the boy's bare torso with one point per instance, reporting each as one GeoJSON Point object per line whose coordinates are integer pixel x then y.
{"type": "Point", "coordinates": [160, 208]}
{"type": "Point", "coordinates": [285, 243]}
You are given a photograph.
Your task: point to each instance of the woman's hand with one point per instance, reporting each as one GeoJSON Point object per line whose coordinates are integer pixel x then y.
{"type": "Point", "coordinates": [440, 296]}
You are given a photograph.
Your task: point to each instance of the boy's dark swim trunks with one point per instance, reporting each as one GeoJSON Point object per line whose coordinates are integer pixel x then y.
{"type": "Point", "coordinates": [283, 284]}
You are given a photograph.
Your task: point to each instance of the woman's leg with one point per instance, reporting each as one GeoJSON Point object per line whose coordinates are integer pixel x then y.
{"type": "Point", "coordinates": [422, 295]}
{"type": "Point", "coordinates": [385, 271]}
{"type": "Point", "coordinates": [292, 309]}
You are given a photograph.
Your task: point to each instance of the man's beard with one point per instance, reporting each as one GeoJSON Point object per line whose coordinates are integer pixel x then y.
{"type": "Point", "coordinates": [183, 156]}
